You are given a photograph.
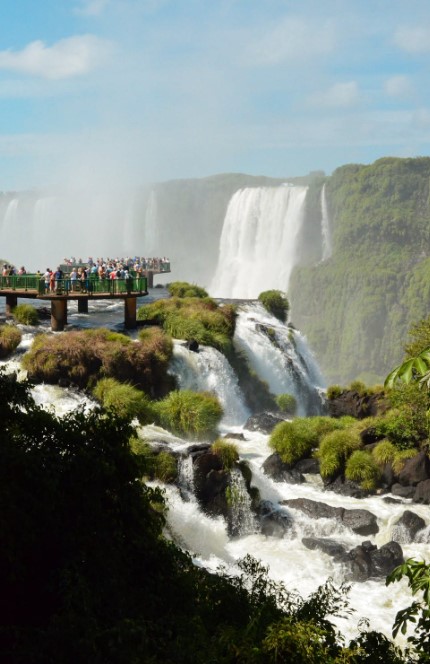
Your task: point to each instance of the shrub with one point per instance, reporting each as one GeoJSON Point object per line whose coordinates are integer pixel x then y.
{"type": "Point", "coordinates": [228, 453]}
{"type": "Point", "coordinates": [188, 413]}
{"type": "Point", "coordinates": [276, 303]}
{"type": "Point", "coordinates": [334, 391]}
{"type": "Point", "coordinates": [184, 289]}
{"type": "Point", "coordinates": [26, 314]}
{"type": "Point", "coordinates": [358, 386]}
{"type": "Point", "coordinates": [124, 399]}
{"type": "Point", "coordinates": [384, 452]}
{"type": "Point", "coordinates": [334, 450]}
{"type": "Point", "coordinates": [286, 403]}
{"type": "Point", "coordinates": [10, 338]}
{"type": "Point", "coordinates": [401, 427]}
{"type": "Point", "coordinates": [361, 467]}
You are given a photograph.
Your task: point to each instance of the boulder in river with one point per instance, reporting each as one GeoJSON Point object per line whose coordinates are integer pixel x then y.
{"type": "Point", "coordinates": [422, 493]}
{"type": "Point", "coordinates": [279, 471]}
{"type": "Point", "coordinates": [407, 526]}
{"type": "Point", "coordinates": [274, 522]}
{"type": "Point", "coordinates": [360, 521]}
{"type": "Point", "coordinates": [366, 560]}
{"type": "Point", "coordinates": [263, 422]}
{"type": "Point", "coordinates": [325, 544]}
{"type": "Point", "coordinates": [415, 470]}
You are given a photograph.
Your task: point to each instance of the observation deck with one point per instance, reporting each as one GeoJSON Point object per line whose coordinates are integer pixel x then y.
{"type": "Point", "coordinates": [33, 286]}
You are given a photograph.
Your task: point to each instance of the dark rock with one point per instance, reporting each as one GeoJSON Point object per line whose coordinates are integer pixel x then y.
{"type": "Point", "coordinates": [193, 345]}
{"type": "Point", "coordinates": [308, 466]}
{"type": "Point", "coordinates": [274, 522]}
{"type": "Point", "coordinates": [198, 449]}
{"type": "Point", "coordinates": [279, 471]}
{"type": "Point", "coordinates": [392, 501]}
{"type": "Point", "coordinates": [415, 470]}
{"type": "Point", "coordinates": [385, 559]}
{"type": "Point", "coordinates": [209, 478]}
{"type": "Point", "coordinates": [361, 522]}
{"type": "Point", "coordinates": [407, 526]}
{"type": "Point", "coordinates": [315, 509]}
{"type": "Point", "coordinates": [352, 403]}
{"type": "Point", "coordinates": [324, 544]}
{"type": "Point", "coordinates": [235, 436]}
{"type": "Point", "coordinates": [263, 422]}
{"type": "Point", "coordinates": [359, 564]}
{"type": "Point", "coordinates": [387, 476]}
{"type": "Point", "coordinates": [346, 488]}
{"type": "Point", "coordinates": [370, 437]}
{"type": "Point", "coordinates": [422, 493]}
{"type": "Point", "coordinates": [403, 491]}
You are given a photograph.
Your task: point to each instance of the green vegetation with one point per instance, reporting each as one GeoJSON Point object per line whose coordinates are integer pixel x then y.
{"type": "Point", "coordinates": [287, 404]}
{"type": "Point", "coordinates": [228, 453]}
{"type": "Point", "coordinates": [83, 357]}
{"type": "Point", "coordinates": [335, 449]}
{"type": "Point", "coordinates": [124, 399]}
{"type": "Point", "coordinates": [184, 289]}
{"type": "Point", "coordinates": [154, 465]}
{"type": "Point", "coordinates": [276, 303]}
{"type": "Point", "coordinates": [362, 468]}
{"type": "Point", "coordinates": [356, 307]}
{"type": "Point", "coordinates": [26, 314]}
{"type": "Point", "coordinates": [190, 414]}
{"type": "Point", "coordinates": [295, 440]}
{"type": "Point", "coordinates": [334, 391]}
{"type": "Point", "coordinates": [10, 338]}
{"type": "Point", "coordinates": [193, 318]}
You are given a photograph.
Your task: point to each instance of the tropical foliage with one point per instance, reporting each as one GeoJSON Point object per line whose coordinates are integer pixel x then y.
{"type": "Point", "coordinates": [189, 414]}
{"type": "Point", "coordinates": [184, 289]}
{"type": "Point", "coordinates": [276, 303]}
{"type": "Point", "coordinates": [10, 338]}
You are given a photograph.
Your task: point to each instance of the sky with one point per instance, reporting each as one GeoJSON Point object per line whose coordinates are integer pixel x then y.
{"type": "Point", "coordinates": [137, 91]}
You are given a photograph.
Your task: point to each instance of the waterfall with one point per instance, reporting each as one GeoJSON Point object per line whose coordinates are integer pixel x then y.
{"type": "Point", "coordinates": [279, 355]}
{"type": "Point", "coordinates": [208, 370]}
{"type": "Point", "coordinates": [258, 241]}
{"type": "Point", "coordinates": [150, 236]}
{"type": "Point", "coordinates": [186, 473]}
{"type": "Point", "coordinates": [242, 518]}
{"type": "Point", "coordinates": [327, 248]}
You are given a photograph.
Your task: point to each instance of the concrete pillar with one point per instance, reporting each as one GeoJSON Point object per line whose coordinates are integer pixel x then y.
{"type": "Point", "coordinates": [58, 315]}
{"type": "Point", "coordinates": [150, 277]}
{"type": "Point", "coordinates": [130, 313]}
{"type": "Point", "coordinates": [11, 302]}
{"type": "Point", "coordinates": [83, 305]}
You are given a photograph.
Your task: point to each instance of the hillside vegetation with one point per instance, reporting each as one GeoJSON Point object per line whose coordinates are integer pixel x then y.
{"type": "Point", "coordinates": [357, 306]}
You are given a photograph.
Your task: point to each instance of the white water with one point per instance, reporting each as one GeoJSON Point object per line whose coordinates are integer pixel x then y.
{"type": "Point", "coordinates": [258, 241]}
{"type": "Point", "coordinates": [285, 362]}
{"type": "Point", "coordinates": [327, 248]}
{"type": "Point", "coordinates": [209, 371]}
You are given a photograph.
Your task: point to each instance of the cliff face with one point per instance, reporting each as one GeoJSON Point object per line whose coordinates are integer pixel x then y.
{"type": "Point", "coordinates": [357, 306]}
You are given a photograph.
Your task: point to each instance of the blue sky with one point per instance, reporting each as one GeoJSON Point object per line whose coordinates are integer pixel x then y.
{"type": "Point", "coordinates": [132, 91]}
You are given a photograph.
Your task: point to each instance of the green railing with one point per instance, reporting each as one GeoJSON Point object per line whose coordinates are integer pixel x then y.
{"type": "Point", "coordinates": [90, 286]}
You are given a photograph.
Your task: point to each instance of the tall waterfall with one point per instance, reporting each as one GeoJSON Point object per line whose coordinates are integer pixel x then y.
{"type": "Point", "coordinates": [258, 242]}
{"type": "Point", "coordinates": [327, 248]}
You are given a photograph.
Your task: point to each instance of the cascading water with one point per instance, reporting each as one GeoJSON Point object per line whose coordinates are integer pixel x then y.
{"type": "Point", "coordinates": [258, 241]}
{"type": "Point", "coordinates": [242, 518]}
{"type": "Point", "coordinates": [279, 356]}
{"type": "Point", "coordinates": [151, 224]}
{"type": "Point", "coordinates": [209, 371]}
{"type": "Point", "coordinates": [327, 248]}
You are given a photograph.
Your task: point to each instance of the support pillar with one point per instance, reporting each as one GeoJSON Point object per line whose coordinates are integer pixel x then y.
{"type": "Point", "coordinates": [83, 305]}
{"type": "Point", "coordinates": [58, 315]}
{"type": "Point", "coordinates": [130, 313]}
{"type": "Point", "coordinates": [11, 302]}
{"type": "Point", "coordinates": [150, 277]}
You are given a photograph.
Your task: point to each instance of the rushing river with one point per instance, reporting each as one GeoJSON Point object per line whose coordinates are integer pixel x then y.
{"type": "Point", "coordinates": [288, 366]}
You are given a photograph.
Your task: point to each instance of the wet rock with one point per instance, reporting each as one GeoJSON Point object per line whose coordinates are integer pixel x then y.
{"type": "Point", "coordinates": [356, 405]}
{"type": "Point", "coordinates": [366, 560]}
{"type": "Point", "coordinates": [361, 522]}
{"type": "Point", "coordinates": [385, 559]}
{"type": "Point", "coordinates": [210, 481]}
{"type": "Point", "coordinates": [346, 488]}
{"type": "Point", "coordinates": [263, 422]}
{"type": "Point", "coordinates": [235, 436]}
{"type": "Point", "coordinates": [324, 544]}
{"type": "Point", "coordinates": [415, 470]}
{"type": "Point", "coordinates": [392, 501]}
{"type": "Point", "coordinates": [407, 526]}
{"type": "Point", "coordinates": [403, 491]}
{"type": "Point", "coordinates": [193, 345]}
{"type": "Point", "coordinates": [422, 493]}
{"type": "Point", "coordinates": [279, 471]}
{"type": "Point", "coordinates": [308, 466]}
{"type": "Point", "coordinates": [274, 522]}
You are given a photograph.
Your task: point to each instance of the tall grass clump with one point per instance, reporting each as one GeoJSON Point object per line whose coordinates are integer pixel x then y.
{"type": "Point", "coordinates": [184, 289]}
{"type": "Point", "coordinates": [10, 338]}
{"type": "Point", "coordinates": [384, 452]}
{"type": "Point", "coordinates": [190, 414]}
{"type": "Point", "coordinates": [124, 399]}
{"type": "Point", "coordinates": [228, 453]}
{"type": "Point", "coordinates": [276, 303]}
{"type": "Point", "coordinates": [196, 318]}
{"type": "Point", "coordinates": [26, 314]}
{"type": "Point", "coordinates": [334, 450]}
{"type": "Point", "coordinates": [286, 403]}
{"type": "Point", "coordinates": [153, 464]}
{"type": "Point", "coordinates": [361, 467]}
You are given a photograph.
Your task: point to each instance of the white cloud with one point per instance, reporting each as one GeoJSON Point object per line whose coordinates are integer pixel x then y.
{"type": "Point", "coordinates": [73, 56]}
{"type": "Point", "coordinates": [398, 86]}
{"type": "Point", "coordinates": [339, 95]}
{"type": "Point", "coordinates": [413, 39]}
{"type": "Point", "coordinates": [91, 7]}
{"type": "Point", "coordinates": [292, 39]}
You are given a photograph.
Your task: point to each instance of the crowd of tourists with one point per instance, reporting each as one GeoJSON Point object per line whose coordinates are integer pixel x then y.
{"type": "Point", "coordinates": [136, 263]}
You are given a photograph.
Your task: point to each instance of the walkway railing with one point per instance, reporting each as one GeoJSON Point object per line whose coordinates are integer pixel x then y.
{"type": "Point", "coordinates": [90, 286]}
